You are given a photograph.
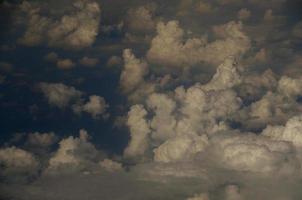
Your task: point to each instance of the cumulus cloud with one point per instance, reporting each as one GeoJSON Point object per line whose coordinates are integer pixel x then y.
{"type": "Point", "coordinates": [73, 154]}
{"type": "Point", "coordinates": [170, 48]}
{"type": "Point", "coordinates": [76, 29]}
{"type": "Point", "coordinates": [133, 72]}
{"type": "Point", "coordinates": [15, 161]}
{"type": "Point", "coordinates": [111, 165]}
{"type": "Point", "coordinates": [89, 62]}
{"type": "Point", "coordinates": [96, 106]}
{"type": "Point", "coordinates": [41, 139]}
{"type": "Point", "coordinates": [140, 19]}
{"type": "Point", "coordinates": [58, 94]}
{"type": "Point", "coordinates": [199, 197]}
{"type": "Point", "coordinates": [290, 132]}
{"type": "Point", "coordinates": [63, 96]}
{"type": "Point", "coordinates": [140, 130]}
{"type": "Point", "coordinates": [51, 57]}
{"type": "Point", "coordinates": [244, 14]}
{"type": "Point", "coordinates": [180, 148]}
{"type": "Point", "coordinates": [65, 64]}
{"type": "Point", "coordinates": [194, 133]}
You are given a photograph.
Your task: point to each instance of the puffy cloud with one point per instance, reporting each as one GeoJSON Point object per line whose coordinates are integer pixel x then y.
{"type": "Point", "coordinates": [139, 132]}
{"type": "Point", "coordinates": [140, 19]}
{"type": "Point", "coordinates": [180, 148]}
{"type": "Point", "coordinates": [199, 197]}
{"type": "Point", "coordinates": [226, 76]}
{"type": "Point", "coordinates": [290, 132]}
{"type": "Point", "coordinates": [249, 152]}
{"type": "Point", "coordinates": [232, 192]}
{"type": "Point", "coordinates": [290, 87]}
{"type": "Point", "coordinates": [6, 67]}
{"type": "Point", "coordinates": [168, 47]}
{"type": "Point", "coordinates": [133, 73]}
{"type": "Point", "coordinates": [203, 8]}
{"type": "Point", "coordinates": [254, 86]}
{"type": "Point", "coordinates": [14, 161]}
{"type": "Point", "coordinates": [96, 106]}
{"type": "Point", "coordinates": [244, 14]}
{"type": "Point", "coordinates": [65, 64]}
{"type": "Point", "coordinates": [89, 62]}
{"type": "Point", "coordinates": [111, 165]}
{"type": "Point", "coordinates": [163, 123]}
{"type": "Point", "coordinates": [51, 57]}
{"type": "Point", "coordinates": [41, 139]}
{"type": "Point", "coordinates": [73, 154]}
{"type": "Point", "coordinates": [76, 29]}
{"type": "Point", "coordinates": [58, 94]}
{"type": "Point", "coordinates": [114, 61]}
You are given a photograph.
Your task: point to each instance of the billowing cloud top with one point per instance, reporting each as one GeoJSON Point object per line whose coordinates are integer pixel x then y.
{"type": "Point", "coordinates": [182, 100]}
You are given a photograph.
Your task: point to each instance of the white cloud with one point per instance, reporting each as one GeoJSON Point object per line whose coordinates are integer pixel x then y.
{"type": "Point", "coordinates": [290, 87]}
{"type": "Point", "coordinates": [51, 57]}
{"type": "Point", "coordinates": [249, 152]}
{"type": "Point", "coordinates": [96, 106]}
{"type": "Point", "coordinates": [139, 132]}
{"type": "Point", "coordinates": [41, 139]}
{"type": "Point", "coordinates": [290, 132]}
{"type": "Point", "coordinates": [163, 123]}
{"type": "Point", "coordinates": [180, 148]}
{"type": "Point", "coordinates": [58, 94]}
{"type": "Point", "coordinates": [73, 154]}
{"type": "Point", "coordinates": [65, 64]}
{"type": "Point", "coordinates": [140, 19]}
{"type": "Point", "coordinates": [15, 161]}
{"type": "Point", "coordinates": [133, 72]}
{"type": "Point", "coordinates": [111, 165]}
{"type": "Point", "coordinates": [76, 29]}
{"type": "Point", "coordinates": [89, 62]}
{"type": "Point", "coordinates": [199, 197]}
{"type": "Point", "coordinates": [244, 14]}
{"type": "Point", "coordinates": [170, 48]}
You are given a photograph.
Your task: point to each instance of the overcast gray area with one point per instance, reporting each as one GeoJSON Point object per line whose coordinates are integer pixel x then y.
{"type": "Point", "coordinates": [126, 100]}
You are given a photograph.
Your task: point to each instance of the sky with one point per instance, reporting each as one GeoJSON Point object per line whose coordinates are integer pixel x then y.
{"type": "Point", "coordinates": [137, 99]}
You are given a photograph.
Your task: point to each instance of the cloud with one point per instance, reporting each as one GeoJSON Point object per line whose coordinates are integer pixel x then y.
{"type": "Point", "coordinates": [96, 106]}
{"type": "Point", "coordinates": [6, 67]}
{"type": "Point", "coordinates": [15, 161]}
{"type": "Point", "coordinates": [290, 132]}
{"type": "Point", "coordinates": [199, 197]}
{"type": "Point", "coordinates": [63, 96]}
{"type": "Point", "coordinates": [41, 139]}
{"type": "Point", "coordinates": [180, 148]}
{"type": "Point", "coordinates": [169, 48]}
{"type": "Point", "coordinates": [139, 130]}
{"type": "Point", "coordinates": [73, 154]}
{"type": "Point", "coordinates": [114, 61]}
{"type": "Point", "coordinates": [140, 19]}
{"type": "Point", "coordinates": [89, 62]}
{"type": "Point", "coordinates": [76, 29]}
{"type": "Point", "coordinates": [111, 165]}
{"type": "Point", "coordinates": [244, 14]}
{"type": "Point", "coordinates": [58, 94]}
{"type": "Point", "coordinates": [51, 57]}
{"type": "Point", "coordinates": [133, 72]}
{"type": "Point", "coordinates": [65, 64]}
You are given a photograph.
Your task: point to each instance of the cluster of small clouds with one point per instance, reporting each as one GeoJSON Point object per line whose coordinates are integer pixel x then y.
{"type": "Point", "coordinates": [208, 106]}
{"type": "Point", "coordinates": [76, 29]}
{"type": "Point", "coordinates": [63, 96]}
{"type": "Point", "coordinates": [67, 64]}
